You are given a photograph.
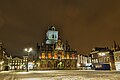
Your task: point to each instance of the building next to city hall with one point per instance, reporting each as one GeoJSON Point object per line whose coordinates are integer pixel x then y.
{"type": "Point", "coordinates": [116, 53]}
{"type": "Point", "coordinates": [19, 63]}
{"type": "Point", "coordinates": [104, 58]}
{"type": "Point", "coordinates": [3, 56]}
{"type": "Point", "coordinates": [54, 54]}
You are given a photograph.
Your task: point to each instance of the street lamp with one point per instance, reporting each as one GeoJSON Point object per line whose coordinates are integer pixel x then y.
{"type": "Point", "coordinates": [28, 50]}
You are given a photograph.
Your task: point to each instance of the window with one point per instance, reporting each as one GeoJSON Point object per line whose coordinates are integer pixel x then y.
{"type": "Point", "coordinates": [67, 56]}
{"type": "Point", "coordinates": [96, 61]}
{"type": "Point", "coordinates": [73, 55]}
{"type": "Point", "coordinates": [55, 36]}
{"type": "Point", "coordinates": [55, 55]}
{"type": "Point", "coordinates": [53, 28]}
{"type": "Point", "coordinates": [43, 55]}
{"type": "Point", "coordinates": [100, 60]}
{"type": "Point", "coordinates": [116, 58]}
{"type": "Point", "coordinates": [108, 59]}
{"type": "Point", "coordinates": [119, 57]}
{"type": "Point", "coordinates": [49, 55]}
{"type": "Point", "coordinates": [62, 54]}
{"type": "Point", "coordinates": [52, 36]}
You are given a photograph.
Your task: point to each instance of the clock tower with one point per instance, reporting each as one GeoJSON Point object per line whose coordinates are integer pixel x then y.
{"type": "Point", "coordinates": [51, 35]}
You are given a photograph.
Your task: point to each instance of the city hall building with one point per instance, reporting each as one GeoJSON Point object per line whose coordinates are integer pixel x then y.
{"type": "Point", "coordinates": [54, 54]}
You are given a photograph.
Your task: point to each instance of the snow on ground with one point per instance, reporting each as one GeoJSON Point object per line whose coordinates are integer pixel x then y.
{"type": "Point", "coordinates": [60, 75]}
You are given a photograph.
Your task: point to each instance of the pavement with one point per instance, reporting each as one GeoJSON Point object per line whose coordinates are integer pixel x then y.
{"type": "Point", "coordinates": [60, 75]}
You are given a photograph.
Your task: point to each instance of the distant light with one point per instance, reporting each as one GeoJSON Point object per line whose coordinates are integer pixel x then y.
{"type": "Point", "coordinates": [1, 62]}
{"type": "Point", "coordinates": [102, 54]}
{"type": "Point", "coordinates": [25, 49]}
{"type": "Point", "coordinates": [28, 50]}
{"type": "Point", "coordinates": [78, 64]}
{"type": "Point", "coordinates": [3, 51]}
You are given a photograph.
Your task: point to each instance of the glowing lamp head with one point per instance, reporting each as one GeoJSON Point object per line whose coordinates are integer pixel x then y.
{"type": "Point", "coordinates": [28, 50]}
{"type": "Point", "coordinates": [25, 49]}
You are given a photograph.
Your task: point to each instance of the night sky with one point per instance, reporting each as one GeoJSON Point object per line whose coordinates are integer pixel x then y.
{"type": "Point", "coordinates": [84, 23]}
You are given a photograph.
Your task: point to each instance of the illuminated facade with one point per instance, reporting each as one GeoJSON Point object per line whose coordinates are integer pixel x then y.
{"type": "Point", "coordinates": [116, 53]}
{"type": "Point", "coordinates": [84, 62]}
{"type": "Point", "coordinates": [54, 54]}
{"type": "Point", "coordinates": [18, 63]}
{"type": "Point", "coordinates": [3, 56]}
{"type": "Point", "coordinates": [117, 60]}
{"type": "Point", "coordinates": [106, 59]}
{"type": "Point", "coordinates": [51, 36]}
{"type": "Point", "coordinates": [101, 58]}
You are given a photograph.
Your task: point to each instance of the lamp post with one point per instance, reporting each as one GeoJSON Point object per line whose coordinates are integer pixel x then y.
{"type": "Point", "coordinates": [28, 50]}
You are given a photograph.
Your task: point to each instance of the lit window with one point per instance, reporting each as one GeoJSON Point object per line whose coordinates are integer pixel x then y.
{"type": "Point", "coordinates": [119, 57]}
{"type": "Point", "coordinates": [43, 55]}
{"type": "Point", "coordinates": [52, 36]}
{"type": "Point", "coordinates": [67, 56]}
{"type": "Point", "coordinates": [49, 55]}
{"type": "Point", "coordinates": [116, 58]}
{"type": "Point", "coordinates": [73, 55]}
{"type": "Point", "coordinates": [108, 59]}
{"type": "Point", "coordinates": [55, 55]}
{"type": "Point", "coordinates": [62, 54]}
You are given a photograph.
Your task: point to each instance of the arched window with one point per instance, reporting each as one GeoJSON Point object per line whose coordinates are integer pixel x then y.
{"type": "Point", "coordinates": [52, 36]}
{"type": "Point", "coordinates": [53, 28]}
{"type": "Point", "coordinates": [55, 36]}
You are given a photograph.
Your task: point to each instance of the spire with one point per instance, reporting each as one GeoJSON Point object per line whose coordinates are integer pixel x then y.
{"type": "Point", "coordinates": [59, 38]}
{"type": "Point", "coordinates": [118, 47]}
{"type": "Point", "coordinates": [115, 45]}
{"type": "Point", "coordinates": [66, 42]}
{"type": "Point", "coordinates": [51, 28]}
{"type": "Point", "coordinates": [38, 47]}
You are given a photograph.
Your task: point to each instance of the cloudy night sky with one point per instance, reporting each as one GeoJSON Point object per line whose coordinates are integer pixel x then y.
{"type": "Point", "coordinates": [84, 23]}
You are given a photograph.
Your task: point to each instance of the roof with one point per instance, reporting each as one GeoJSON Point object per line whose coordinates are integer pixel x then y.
{"type": "Point", "coordinates": [100, 49]}
{"type": "Point", "coordinates": [51, 28]}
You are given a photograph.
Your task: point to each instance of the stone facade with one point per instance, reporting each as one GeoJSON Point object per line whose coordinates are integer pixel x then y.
{"type": "Point", "coordinates": [54, 54]}
{"type": "Point", "coordinates": [102, 58]}
{"type": "Point", "coordinates": [3, 56]}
